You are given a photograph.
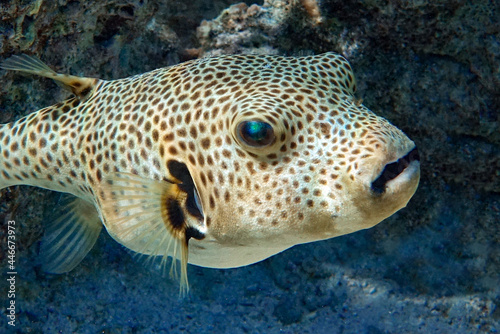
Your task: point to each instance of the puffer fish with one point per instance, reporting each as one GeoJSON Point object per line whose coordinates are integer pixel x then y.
{"type": "Point", "coordinates": [219, 162]}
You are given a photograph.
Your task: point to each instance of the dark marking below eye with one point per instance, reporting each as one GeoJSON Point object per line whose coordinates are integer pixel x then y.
{"type": "Point", "coordinates": [175, 215]}
{"type": "Point", "coordinates": [180, 172]}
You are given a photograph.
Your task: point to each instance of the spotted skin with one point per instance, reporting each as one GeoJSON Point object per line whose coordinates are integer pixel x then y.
{"type": "Point", "coordinates": [179, 126]}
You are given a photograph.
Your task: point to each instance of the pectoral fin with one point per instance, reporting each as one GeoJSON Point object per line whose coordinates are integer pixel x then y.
{"type": "Point", "coordinates": [70, 237]}
{"type": "Point", "coordinates": [149, 217]}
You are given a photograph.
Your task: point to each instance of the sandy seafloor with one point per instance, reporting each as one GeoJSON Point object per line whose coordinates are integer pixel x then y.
{"type": "Point", "coordinates": [434, 267]}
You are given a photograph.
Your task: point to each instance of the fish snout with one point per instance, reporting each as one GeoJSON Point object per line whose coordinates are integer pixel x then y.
{"type": "Point", "coordinates": [391, 189]}
{"type": "Point", "coordinates": [390, 181]}
{"type": "Point", "coordinates": [400, 171]}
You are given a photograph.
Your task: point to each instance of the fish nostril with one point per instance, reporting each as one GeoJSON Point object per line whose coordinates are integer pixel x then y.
{"type": "Point", "coordinates": [392, 170]}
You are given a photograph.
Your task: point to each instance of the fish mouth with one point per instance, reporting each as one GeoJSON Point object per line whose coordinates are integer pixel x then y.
{"type": "Point", "coordinates": [408, 164]}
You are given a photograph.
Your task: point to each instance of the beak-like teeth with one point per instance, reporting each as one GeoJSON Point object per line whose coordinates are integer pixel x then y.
{"type": "Point", "coordinates": [393, 169]}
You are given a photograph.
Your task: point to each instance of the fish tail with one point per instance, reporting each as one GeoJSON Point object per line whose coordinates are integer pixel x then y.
{"type": "Point", "coordinates": [25, 154]}
{"type": "Point", "coordinates": [4, 161]}
{"type": "Point", "coordinates": [31, 150]}
{"type": "Point", "coordinates": [14, 167]}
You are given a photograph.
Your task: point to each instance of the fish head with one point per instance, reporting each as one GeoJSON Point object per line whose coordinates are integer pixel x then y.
{"type": "Point", "coordinates": [294, 158]}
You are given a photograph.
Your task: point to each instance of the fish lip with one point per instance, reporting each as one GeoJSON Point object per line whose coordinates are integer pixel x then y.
{"type": "Point", "coordinates": [405, 167]}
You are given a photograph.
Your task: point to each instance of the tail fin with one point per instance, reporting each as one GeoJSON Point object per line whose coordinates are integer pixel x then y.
{"type": "Point", "coordinates": [81, 87]}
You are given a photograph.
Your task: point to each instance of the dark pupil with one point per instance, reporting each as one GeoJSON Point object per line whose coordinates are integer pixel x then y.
{"type": "Point", "coordinates": [256, 133]}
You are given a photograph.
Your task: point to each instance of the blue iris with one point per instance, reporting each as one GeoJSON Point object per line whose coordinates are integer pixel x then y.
{"type": "Point", "coordinates": [256, 133]}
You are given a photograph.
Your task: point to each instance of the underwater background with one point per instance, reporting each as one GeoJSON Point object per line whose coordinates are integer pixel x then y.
{"type": "Point", "coordinates": [429, 67]}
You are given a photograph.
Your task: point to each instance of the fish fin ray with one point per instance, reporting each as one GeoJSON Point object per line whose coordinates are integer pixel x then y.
{"type": "Point", "coordinates": [80, 86]}
{"type": "Point", "coordinates": [28, 64]}
{"type": "Point", "coordinates": [135, 214]}
{"type": "Point", "coordinates": [70, 237]}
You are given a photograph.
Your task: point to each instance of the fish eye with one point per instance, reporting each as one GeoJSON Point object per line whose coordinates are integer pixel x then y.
{"type": "Point", "coordinates": [256, 133]}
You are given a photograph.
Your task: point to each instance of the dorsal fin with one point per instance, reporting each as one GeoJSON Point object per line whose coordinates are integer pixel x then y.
{"type": "Point", "coordinates": [81, 87]}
